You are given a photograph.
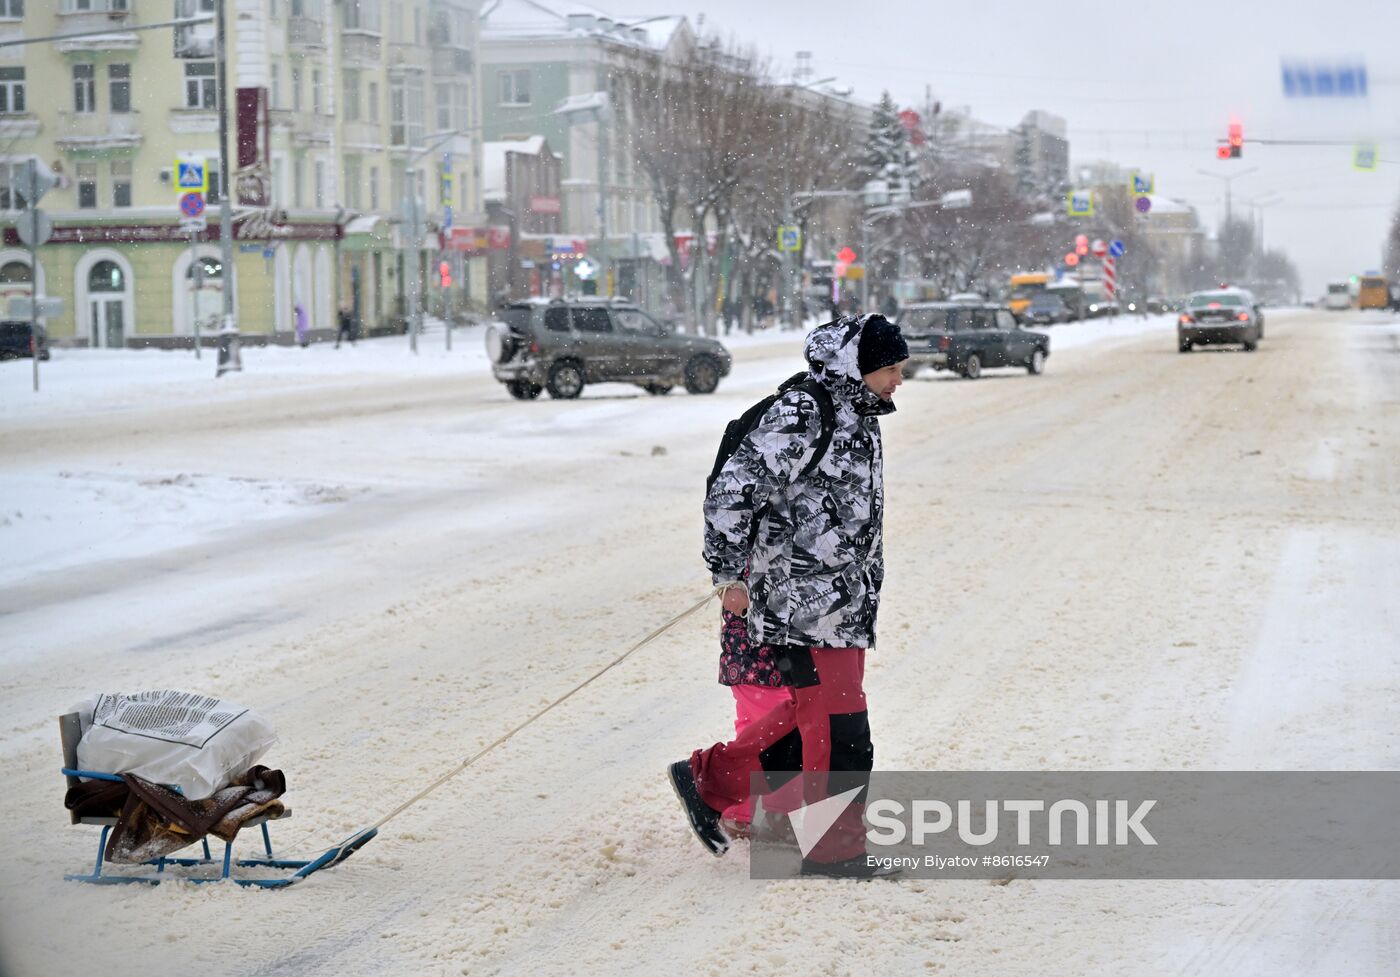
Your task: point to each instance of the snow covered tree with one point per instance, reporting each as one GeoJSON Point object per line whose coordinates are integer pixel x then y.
{"type": "Point", "coordinates": [888, 153]}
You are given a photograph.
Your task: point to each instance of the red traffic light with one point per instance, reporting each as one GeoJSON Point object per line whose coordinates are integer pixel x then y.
{"type": "Point", "coordinates": [1222, 152]}
{"type": "Point", "coordinates": [1071, 259]}
{"type": "Point", "coordinates": [445, 274]}
{"type": "Point", "coordinates": [846, 256]}
{"type": "Point", "coordinates": [1080, 240]}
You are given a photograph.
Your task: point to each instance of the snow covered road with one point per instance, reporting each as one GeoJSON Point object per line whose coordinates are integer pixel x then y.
{"type": "Point", "coordinates": [1140, 560]}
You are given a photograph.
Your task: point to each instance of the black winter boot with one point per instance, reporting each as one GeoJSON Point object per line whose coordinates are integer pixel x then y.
{"type": "Point", "coordinates": [704, 820]}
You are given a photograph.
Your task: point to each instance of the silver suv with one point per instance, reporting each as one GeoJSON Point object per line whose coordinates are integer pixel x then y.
{"type": "Point", "coordinates": [559, 346]}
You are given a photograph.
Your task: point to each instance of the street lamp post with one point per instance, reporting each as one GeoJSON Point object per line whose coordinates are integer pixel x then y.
{"type": "Point", "coordinates": [413, 218]}
{"type": "Point", "coordinates": [1228, 178]}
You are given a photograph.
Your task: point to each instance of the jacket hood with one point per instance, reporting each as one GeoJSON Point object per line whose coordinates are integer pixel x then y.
{"type": "Point", "coordinates": [832, 352]}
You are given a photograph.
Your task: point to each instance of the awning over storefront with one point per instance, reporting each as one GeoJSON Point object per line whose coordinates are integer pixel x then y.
{"type": "Point", "coordinates": [368, 233]}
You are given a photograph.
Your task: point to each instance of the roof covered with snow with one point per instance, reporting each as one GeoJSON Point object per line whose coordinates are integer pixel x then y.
{"type": "Point", "coordinates": [493, 162]}
{"type": "Point", "coordinates": [541, 19]}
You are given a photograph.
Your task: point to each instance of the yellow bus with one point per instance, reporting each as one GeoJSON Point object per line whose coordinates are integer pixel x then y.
{"type": "Point", "coordinates": [1373, 292]}
{"type": "Point", "coordinates": [1023, 288]}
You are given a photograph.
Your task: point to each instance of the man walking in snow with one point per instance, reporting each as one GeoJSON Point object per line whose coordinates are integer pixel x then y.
{"type": "Point", "coordinates": [812, 545]}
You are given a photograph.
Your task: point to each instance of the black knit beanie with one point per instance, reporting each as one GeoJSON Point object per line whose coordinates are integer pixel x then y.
{"type": "Point", "coordinates": [881, 345]}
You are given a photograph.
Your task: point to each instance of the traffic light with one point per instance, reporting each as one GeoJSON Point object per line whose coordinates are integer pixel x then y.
{"type": "Point", "coordinates": [1236, 140]}
{"type": "Point", "coordinates": [445, 274]}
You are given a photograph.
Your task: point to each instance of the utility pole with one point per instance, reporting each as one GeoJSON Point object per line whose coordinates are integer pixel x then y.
{"type": "Point", "coordinates": [228, 328]}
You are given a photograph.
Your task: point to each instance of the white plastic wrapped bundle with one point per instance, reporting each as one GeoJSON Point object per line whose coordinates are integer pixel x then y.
{"type": "Point", "coordinates": [196, 742]}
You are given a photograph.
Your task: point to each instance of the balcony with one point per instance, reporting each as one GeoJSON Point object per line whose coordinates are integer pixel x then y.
{"type": "Point", "coordinates": [362, 134]}
{"type": "Point", "coordinates": [451, 61]}
{"type": "Point", "coordinates": [112, 17]}
{"type": "Point", "coordinates": [184, 121]}
{"type": "Point", "coordinates": [306, 33]}
{"type": "Point", "coordinates": [360, 48]}
{"type": "Point", "coordinates": [306, 128]}
{"type": "Point", "coordinates": [98, 130]}
{"type": "Point", "coordinates": [22, 125]}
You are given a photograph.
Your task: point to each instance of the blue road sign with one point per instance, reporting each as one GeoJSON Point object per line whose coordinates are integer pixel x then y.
{"type": "Point", "coordinates": [191, 174]}
{"type": "Point", "coordinates": [1324, 81]}
{"type": "Point", "coordinates": [192, 204]}
{"type": "Point", "coordinates": [1116, 248]}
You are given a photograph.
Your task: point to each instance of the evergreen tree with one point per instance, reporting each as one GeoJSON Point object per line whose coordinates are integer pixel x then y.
{"type": "Point", "coordinates": [888, 153]}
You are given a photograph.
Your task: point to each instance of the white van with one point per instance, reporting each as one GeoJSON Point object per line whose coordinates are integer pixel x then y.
{"type": "Point", "coordinates": [1338, 296]}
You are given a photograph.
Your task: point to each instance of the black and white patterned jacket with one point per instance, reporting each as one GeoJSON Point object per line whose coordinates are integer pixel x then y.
{"type": "Point", "coordinates": [812, 545]}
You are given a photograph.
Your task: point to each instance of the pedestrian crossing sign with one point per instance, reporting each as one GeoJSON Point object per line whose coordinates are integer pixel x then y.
{"type": "Point", "coordinates": [789, 238]}
{"type": "Point", "coordinates": [1081, 203]}
{"type": "Point", "coordinates": [191, 175]}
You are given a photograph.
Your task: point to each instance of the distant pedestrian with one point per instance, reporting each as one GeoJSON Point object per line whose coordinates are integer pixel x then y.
{"type": "Point", "coordinates": [346, 322]}
{"type": "Point", "coordinates": [890, 308]}
{"type": "Point", "coordinates": [302, 326]}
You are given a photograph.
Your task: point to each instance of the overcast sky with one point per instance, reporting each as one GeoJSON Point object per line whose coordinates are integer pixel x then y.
{"type": "Point", "coordinates": [1144, 84]}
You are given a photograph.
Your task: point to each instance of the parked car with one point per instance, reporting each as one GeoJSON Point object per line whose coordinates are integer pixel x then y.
{"type": "Point", "coordinates": [560, 346]}
{"type": "Point", "coordinates": [14, 340]}
{"type": "Point", "coordinates": [1046, 308]}
{"type": "Point", "coordinates": [1224, 315]}
{"type": "Point", "coordinates": [970, 338]}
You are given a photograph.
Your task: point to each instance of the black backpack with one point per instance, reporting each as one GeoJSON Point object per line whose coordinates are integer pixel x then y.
{"type": "Point", "coordinates": [738, 429]}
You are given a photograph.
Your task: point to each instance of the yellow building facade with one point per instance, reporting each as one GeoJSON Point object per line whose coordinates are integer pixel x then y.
{"type": "Point", "coordinates": [335, 109]}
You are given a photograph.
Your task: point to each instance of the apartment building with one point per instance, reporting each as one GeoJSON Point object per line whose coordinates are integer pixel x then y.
{"type": "Point", "coordinates": [536, 56]}
{"type": "Point", "coordinates": [335, 109]}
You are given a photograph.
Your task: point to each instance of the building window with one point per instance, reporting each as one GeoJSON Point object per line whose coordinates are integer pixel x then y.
{"type": "Point", "coordinates": [12, 184]}
{"type": "Point", "coordinates": [396, 21]}
{"type": "Point", "coordinates": [274, 94]}
{"type": "Point", "coordinates": [352, 184]}
{"type": "Point", "coordinates": [199, 85]}
{"type": "Point", "coordinates": [320, 183]}
{"type": "Point", "coordinates": [442, 99]}
{"type": "Point", "coordinates": [296, 89]}
{"type": "Point", "coordinates": [362, 15]}
{"type": "Point", "coordinates": [84, 88]}
{"type": "Point", "coordinates": [298, 180]}
{"type": "Point", "coordinates": [119, 87]}
{"type": "Point", "coordinates": [11, 91]}
{"type": "Point", "coordinates": [316, 91]}
{"type": "Point", "coordinates": [11, 9]}
{"type": "Point", "coordinates": [121, 183]}
{"type": "Point", "coordinates": [373, 99]}
{"type": "Point", "coordinates": [351, 96]}
{"type": "Point", "coordinates": [279, 190]}
{"type": "Point", "coordinates": [514, 87]}
{"type": "Point", "coordinates": [406, 110]}
{"type": "Point", "coordinates": [374, 188]}
{"type": "Point", "coordinates": [213, 196]}
{"type": "Point", "coordinates": [87, 185]}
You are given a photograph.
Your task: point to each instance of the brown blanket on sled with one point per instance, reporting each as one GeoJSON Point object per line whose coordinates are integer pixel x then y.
{"type": "Point", "coordinates": [153, 820]}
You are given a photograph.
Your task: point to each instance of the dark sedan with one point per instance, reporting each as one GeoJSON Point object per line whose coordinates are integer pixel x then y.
{"type": "Point", "coordinates": [1224, 316]}
{"type": "Point", "coordinates": [14, 340]}
{"type": "Point", "coordinates": [969, 339]}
